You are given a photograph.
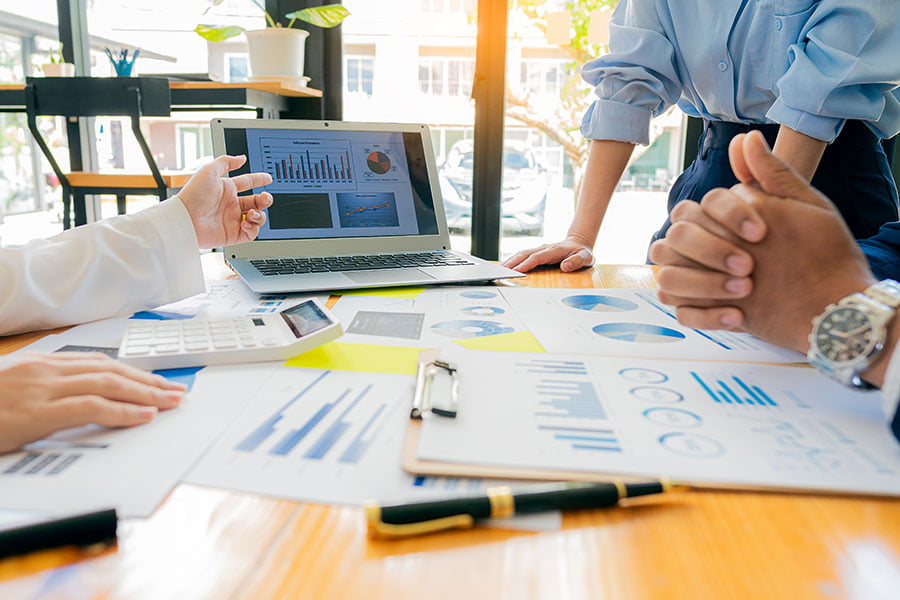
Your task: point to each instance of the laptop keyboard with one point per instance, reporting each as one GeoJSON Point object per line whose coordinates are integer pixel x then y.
{"type": "Point", "coordinates": [325, 264]}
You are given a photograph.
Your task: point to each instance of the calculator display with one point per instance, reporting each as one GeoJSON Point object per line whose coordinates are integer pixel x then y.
{"type": "Point", "coordinates": [305, 318]}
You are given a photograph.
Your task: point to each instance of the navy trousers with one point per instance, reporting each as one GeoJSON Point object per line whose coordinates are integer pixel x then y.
{"type": "Point", "coordinates": [854, 173]}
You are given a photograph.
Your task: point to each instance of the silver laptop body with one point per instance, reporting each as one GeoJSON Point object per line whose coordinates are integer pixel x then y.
{"type": "Point", "coordinates": [356, 205]}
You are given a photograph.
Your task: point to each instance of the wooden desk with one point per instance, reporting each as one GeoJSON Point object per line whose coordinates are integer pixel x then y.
{"type": "Point", "coordinates": [206, 543]}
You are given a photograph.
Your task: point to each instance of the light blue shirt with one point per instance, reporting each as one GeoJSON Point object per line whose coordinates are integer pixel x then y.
{"type": "Point", "coordinates": [808, 64]}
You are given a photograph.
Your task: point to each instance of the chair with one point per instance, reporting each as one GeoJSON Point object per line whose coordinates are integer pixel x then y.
{"type": "Point", "coordinates": [73, 97]}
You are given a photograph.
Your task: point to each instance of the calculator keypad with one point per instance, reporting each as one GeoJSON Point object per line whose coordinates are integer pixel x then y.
{"type": "Point", "coordinates": [169, 337]}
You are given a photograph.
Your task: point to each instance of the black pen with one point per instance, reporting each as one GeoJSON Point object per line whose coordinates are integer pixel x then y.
{"type": "Point", "coordinates": [501, 502]}
{"type": "Point", "coordinates": [80, 530]}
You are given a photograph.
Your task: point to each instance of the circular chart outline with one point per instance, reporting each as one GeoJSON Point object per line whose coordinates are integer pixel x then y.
{"type": "Point", "coordinates": [622, 374]}
{"type": "Point", "coordinates": [376, 164]}
{"type": "Point", "coordinates": [617, 304]}
{"type": "Point", "coordinates": [454, 329]}
{"type": "Point", "coordinates": [655, 409]}
{"type": "Point", "coordinates": [650, 387]}
{"type": "Point", "coordinates": [664, 335]}
{"type": "Point", "coordinates": [720, 449]}
{"type": "Point", "coordinates": [478, 295]}
{"type": "Point", "coordinates": [471, 311]}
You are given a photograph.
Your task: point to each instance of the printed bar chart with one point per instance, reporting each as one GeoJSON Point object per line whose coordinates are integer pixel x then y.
{"type": "Point", "coordinates": [267, 428]}
{"type": "Point", "coordinates": [570, 399]}
{"type": "Point", "coordinates": [554, 367]}
{"type": "Point", "coordinates": [739, 392]}
{"type": "Point", "coordinates": [331, 436]}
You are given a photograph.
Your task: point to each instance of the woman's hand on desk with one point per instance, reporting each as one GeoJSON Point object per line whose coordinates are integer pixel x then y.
{"type": "Point", "coordinates": [48, 393]}
{"type": "Point", "coordinates": [571, 254]}
{"type": "Point", "coordinates": [219, 215]}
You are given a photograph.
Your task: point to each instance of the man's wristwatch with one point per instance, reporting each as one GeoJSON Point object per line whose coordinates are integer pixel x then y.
{"type": "Point", "coordinates": [846, 338]}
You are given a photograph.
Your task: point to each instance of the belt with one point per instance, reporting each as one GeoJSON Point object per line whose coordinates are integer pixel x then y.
{"type": "Point", "coordinates": [718, 134]}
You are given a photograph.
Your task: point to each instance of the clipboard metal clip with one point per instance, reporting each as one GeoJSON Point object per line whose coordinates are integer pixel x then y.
{"type": "Point", "coordinates": [422, 400]}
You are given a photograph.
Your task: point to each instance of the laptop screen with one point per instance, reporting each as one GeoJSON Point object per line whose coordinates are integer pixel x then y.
{"type": "Point", "coordinates": [340, 183]}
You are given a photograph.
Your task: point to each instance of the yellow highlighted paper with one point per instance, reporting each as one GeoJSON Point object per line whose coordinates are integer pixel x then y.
{"type": "Point", "coordinates": [409, 293]}
{"type": "Point", "coordinates": [519, 341]}
{"type": "Point", "coordinates": [367, 358]}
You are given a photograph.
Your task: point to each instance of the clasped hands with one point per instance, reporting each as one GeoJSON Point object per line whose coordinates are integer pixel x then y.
{"type": "Point", "coordinates": [766, 256]}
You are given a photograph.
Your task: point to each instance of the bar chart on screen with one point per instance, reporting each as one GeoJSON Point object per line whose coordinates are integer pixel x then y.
{"type": "Point", "coordinates": [309, 164]}
{"type": "Point", "coordinates": [326, 436]}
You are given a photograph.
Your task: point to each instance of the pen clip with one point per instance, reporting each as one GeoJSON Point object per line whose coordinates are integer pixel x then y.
{"type": "Point", "coordinates": [379, 529]}
{"type": "Point", "coordinates": [422, 400]}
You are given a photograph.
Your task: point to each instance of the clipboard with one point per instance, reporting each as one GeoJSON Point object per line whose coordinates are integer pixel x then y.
{"type": "Point", "coordinates": [412, 464]}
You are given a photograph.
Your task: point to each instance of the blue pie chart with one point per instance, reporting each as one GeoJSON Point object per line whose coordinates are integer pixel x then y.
{"type": "Point", "coordinates": [638, 332]}
{"type": "Point", "coordinates": [469, 329]}
{"type": "Point", "coordinates": [483, 311]}
{"type": "Point", "coordinates": [477, 295]}
{"type": "Point", "coordinates": [595, 303]}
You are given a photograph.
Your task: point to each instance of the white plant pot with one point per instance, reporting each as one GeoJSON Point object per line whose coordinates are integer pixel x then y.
{"type": "Point", "coordinates": [276, 52]}
{"type": "Point", "coordinates": [59, 70]}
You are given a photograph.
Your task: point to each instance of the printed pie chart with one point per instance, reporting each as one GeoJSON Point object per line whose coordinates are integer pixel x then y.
{"type": "Point", "coordinates": [595, 303]}
{"type": "Point", "coordinates": [378, 163]}
{"type": "Point", "coordinates": [469, 329]}
{"type": "Point", "coordinates": [483, 311]}
{"type": "Point", "coordinates": [638, 332]}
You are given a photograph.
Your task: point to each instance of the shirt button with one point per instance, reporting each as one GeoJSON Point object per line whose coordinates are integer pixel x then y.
{"type": "Point", "coordinates": [778, 24]}
{"type": "Point", "coordinates": [723, 65]}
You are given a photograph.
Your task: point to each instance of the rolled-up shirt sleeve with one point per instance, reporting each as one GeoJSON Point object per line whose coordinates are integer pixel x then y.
{"type": "Point", "coordinates": [636, 81]}
{"type": "Point", "coordinates": [109, 268]}
{"type": "Point", "coordinates": [844, 66]}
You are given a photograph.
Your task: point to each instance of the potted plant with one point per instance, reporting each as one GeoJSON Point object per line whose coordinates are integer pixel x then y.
{"type": "Point", "coordinates": [56, 67]}
{"type": "Point", "coordinates": [276, 52]}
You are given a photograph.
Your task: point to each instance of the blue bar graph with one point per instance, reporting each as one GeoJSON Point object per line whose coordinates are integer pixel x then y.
{"type": "Point", "coordinates": [295, 436]}
{"type": "Point", "coordinates": [334, 433]}
{"type": "Point", "coordinates": [751, 395]}
{"type": "Point", "coordinates": [361, 443]}
{"type": "Point", "coordinates": [555, 367]}
{"type": "Point", "coordinates": [571, 399]}
{"type": "Point", "coordinates": [267, 428]}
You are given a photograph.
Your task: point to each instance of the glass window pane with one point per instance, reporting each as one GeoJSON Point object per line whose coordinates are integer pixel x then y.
{"type": "Point", "coordinates": [422, 61]}
{"type": "Point", "coordinates": [540, 177]}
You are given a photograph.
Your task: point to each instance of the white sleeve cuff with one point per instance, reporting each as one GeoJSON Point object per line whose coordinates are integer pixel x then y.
{"type": "Point", "coordinates": [184, 275]}
{"type": "Point", "coordinates": [817, 126]}
{"type": "Point", "coordinates": [890, 391]}
{"type": "Point", "coordinates": [611, 120]}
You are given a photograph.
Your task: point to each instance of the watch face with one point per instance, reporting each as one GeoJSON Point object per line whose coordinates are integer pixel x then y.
{"type": "Point", "coordinates": [844, 334]}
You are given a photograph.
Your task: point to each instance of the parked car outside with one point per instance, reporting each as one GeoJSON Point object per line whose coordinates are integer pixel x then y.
{"type": "Point", "coordinates": [524, 194]}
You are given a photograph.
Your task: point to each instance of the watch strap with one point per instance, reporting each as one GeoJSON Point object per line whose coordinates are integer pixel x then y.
{"type": "Point", "coordinates": [887, 292]}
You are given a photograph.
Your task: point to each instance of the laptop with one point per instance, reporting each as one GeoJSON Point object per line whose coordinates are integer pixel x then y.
{"type": "Point", "coordinates": [356, 205]}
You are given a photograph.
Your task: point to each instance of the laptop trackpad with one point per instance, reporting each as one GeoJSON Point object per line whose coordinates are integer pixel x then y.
{"type": "Point", "coordinates": [386, 277]}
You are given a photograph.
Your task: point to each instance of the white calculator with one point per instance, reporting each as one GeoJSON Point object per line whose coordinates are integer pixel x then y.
{"type": "Point", "coordinates": [168, 344]}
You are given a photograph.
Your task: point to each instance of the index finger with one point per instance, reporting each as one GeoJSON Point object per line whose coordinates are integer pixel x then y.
{"type": "Point", "coordinates": [75, 367]}
{"type": "Point", "coordinates": [251, 180]}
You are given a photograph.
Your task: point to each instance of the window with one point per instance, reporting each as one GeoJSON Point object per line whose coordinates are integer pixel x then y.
{"type": "Point", "coordinates": [543, 77]}
{"type": "Point", "coordinates": [360, 74]}
{"type": "Point", "coordinates": [446, 76]}
{"type": "Point", "coordinates": [194, 144]}
{"type": "Point", "coordinates": [449, 6]}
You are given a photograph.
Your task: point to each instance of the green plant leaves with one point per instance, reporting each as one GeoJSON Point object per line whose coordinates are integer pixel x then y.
{"type": "Point", "coordinates": [321, 16]}
{"type": "Point", "coordinates": [215, 33]}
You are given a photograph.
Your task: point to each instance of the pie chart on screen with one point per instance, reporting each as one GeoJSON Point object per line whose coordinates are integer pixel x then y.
{"type": "Point", "coordinates": [378, 162]}
{"type": "Point", "coordinates": [638, 332]}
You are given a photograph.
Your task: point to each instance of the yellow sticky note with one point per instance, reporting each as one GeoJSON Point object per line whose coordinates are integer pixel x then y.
{"type": "Point", "coordinates": [519, 341]}
{"type": "Point", "coordinates": [388, 292]}
{"type": "Point", "coordinates": [367, 358]}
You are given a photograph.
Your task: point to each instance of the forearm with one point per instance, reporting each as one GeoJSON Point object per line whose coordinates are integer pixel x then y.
{"type": "Point", "coordinates": [800, 151]}
{"type": "Point", "coordinates": [109, 268]}
{"type": "Point", "coordinates": [607, 160]}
